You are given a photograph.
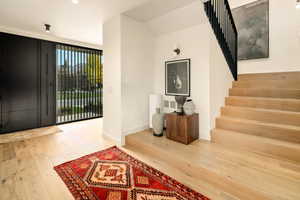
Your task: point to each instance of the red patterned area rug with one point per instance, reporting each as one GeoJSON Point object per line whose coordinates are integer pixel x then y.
{"type": "Point", "coordinates": [112, 174]}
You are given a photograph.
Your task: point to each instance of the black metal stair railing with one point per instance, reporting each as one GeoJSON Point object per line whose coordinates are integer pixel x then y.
{"type": "Point", "coordinates": [222, 22]}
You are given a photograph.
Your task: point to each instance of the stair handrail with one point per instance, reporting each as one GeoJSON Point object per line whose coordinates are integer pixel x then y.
{"type": "Point", "coordinates": [223, 25]}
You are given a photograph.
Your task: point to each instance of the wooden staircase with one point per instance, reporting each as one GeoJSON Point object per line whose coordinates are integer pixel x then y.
{"type": "Point", "coordinates": [262, 115]}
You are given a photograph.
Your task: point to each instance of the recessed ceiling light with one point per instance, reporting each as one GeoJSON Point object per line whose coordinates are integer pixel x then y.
{"type": "Point", "coordinates": [75, 1]}
{"type": "Point", "coordinates": [298, 4]}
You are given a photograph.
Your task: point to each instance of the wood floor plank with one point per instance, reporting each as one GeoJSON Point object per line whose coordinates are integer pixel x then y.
{"type": "Point", "coordinates": [28, 134]}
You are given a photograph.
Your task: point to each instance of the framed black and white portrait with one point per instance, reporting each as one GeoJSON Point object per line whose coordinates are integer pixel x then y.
{"type": "Point", "coordinates": [178, 77]}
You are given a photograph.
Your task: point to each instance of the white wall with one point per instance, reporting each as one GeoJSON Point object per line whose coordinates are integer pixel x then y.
{"type": "Point", "coordinates": [194, 43]}
{"type": "Point", "coordinates": [220, 80]}
{"type": "Point", "coordinates": [284, 39]}
{"type": "Point", "coordinates": [137, 75]}
{"type": "Point", "coordinates": [140, 58]}
{"type": "Point", "coordinates": [128, 77]}
{"type": "Point", "coordinates": [112, 98]}
{"type": "Point", "coordinates": [211, 78]}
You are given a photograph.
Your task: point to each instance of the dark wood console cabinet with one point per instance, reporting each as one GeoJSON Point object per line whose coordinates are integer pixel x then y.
{"type": "Point", "coordinates": [182, 128]}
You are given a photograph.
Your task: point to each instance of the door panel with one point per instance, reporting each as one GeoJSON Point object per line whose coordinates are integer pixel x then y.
{"type": "Point", "coordinates": [20, 83]}
{"type": "Point", "coordinates": [48, 89]}
{"type": "Point", "coordinates": [20, 120]}
{"type": "Point", "coordinates": [2, 63]}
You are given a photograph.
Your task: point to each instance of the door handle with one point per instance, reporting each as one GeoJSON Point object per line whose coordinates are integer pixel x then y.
{"type": "Point", "coordinates": [1, 108]}
{"type": "Point", "coordinates": [3, 118]}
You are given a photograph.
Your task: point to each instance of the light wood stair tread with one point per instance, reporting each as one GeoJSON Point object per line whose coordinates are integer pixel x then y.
{"type": "Point", "coordinates": [263, 115]}
{"type": "Point", "coordinates": [266, 92]}
{"type": "Point", "coordinates": [297, 128]}
{"type": "Point", "coordinates": [295, 75]}
{"type": "Point", "coordinates": [265, 139]}
{"type": "Point", "coordinates": [282, 84]}
{"type": "Point", "coordinates": [285, 104]}
{"type": "Point", "coordinates": [264, 110]}
{"type": "Point", "coordinates": [264, 129]}
{"type": "Point", "coordinates": [264, 146]}
{"type": "Point", "coordinates": [265, 98]}
{"type": "Point", "coordinates": [267, 88]}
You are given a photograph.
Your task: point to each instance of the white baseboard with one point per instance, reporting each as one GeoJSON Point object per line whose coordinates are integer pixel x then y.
{"type": "Point", "coordinates": [120, 141]}
{"type": "Point", "coordinates": [110, 136]}
{"type": "Point", "coordinates": [136, 129]}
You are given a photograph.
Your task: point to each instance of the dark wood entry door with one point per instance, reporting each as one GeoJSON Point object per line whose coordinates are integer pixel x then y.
{"type": "Point", "coordinates": [27, 91]}
{"type": "Point", "coordinates": [20, 83]}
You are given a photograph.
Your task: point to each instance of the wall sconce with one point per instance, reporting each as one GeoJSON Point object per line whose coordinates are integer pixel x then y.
{"type": "Point", "coordinates": [177, 50]}
{"type": "Point", "coordinates": [298, 4]}
{"type": "Point", "coordinates": [47, 28]}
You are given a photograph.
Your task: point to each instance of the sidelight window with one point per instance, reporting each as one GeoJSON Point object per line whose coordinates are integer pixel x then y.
{"type": "Point", "coordinates": [79, 83]}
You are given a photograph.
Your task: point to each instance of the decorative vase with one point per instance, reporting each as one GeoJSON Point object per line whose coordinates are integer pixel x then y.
{"type": "Point", "coordinates": [180, 101]}
{"type": "Point", "coordinates": [189, 107]}
{"type": "Point", "coordinates": [158, 123]}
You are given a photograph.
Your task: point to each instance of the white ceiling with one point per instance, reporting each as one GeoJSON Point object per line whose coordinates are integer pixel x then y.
{"type": "Point", "coordinates": [237, 3]}
{"type": "Point", "coordinates": [169, 15]}
{"type": "Point", "coordinates": [82, 22]}
{"type": "Point", "coordinates": [184, 17]}
{"type": "Point", "coordinates": [156, 8]}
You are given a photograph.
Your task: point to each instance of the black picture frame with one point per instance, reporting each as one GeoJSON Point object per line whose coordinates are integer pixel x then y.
{"type": "Point", "coordinates": [184, 75]}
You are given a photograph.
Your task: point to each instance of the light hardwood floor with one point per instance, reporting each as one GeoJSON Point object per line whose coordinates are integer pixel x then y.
{"type": "Point", "coordinates": [219, 172]}
{"type": "Point", "coordinates": [26, 167]}
{"type": "Point", "coordinates": [28, 134]}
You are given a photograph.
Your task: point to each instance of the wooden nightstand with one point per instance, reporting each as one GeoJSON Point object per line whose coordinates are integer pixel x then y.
{"type": "Point", "coordinates": [182, 128]}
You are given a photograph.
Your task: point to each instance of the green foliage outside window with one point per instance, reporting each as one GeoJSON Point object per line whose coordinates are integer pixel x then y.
{"type": "Point", "coordinates": [94, 69]}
